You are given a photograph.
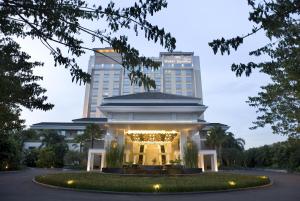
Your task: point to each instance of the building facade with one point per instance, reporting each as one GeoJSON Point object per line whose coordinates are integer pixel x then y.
{"type": "Point", "coordinates": [153, 125]}
{"type": "Point", "coordinates": [179, 74]}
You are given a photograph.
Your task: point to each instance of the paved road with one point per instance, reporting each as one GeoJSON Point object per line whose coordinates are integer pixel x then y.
{"type": "Point", "coordinates": [17, 186]}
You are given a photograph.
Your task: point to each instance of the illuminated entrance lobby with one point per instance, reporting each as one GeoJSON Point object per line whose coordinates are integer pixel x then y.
{"type": "Point", "coordinates": [154, 128]}
{"type": "Point", "coordinates": [151, 147]}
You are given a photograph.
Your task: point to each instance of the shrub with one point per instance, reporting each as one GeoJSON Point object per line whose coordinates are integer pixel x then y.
{"type": "Point", "coordinates": [114, 155]}
{"type": "Point", "coordinates": [10, 152]}
{"type": "Point", "coordinates": [75, 159]}
{"type": "Point", "coordinates": [31, 157]}
{"type": "Point", "coordinates": [46, 158]}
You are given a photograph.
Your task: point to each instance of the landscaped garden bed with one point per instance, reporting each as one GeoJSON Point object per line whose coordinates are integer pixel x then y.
{"type": "Point", "coordinates": [183, 183]}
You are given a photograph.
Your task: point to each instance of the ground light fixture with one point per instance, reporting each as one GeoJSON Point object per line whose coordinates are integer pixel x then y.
{"type": "Point", "coordinates": [70, 182]}
{"type": "Point", "coordinates": [156, 187]}
{"type": "Point", "coordinates": [231, 183]}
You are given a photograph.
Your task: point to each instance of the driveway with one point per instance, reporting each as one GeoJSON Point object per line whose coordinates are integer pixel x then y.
{"type": "Point", "coordinates": [17, 186]}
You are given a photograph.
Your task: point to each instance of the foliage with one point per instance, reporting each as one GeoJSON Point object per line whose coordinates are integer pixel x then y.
{"type": "Point", "coordinates": [18, 85]}
{"type": "Point", "coordinates": [46, 158]}
{"type": "Point", "coordinates": [10, 152]}
{"type": "Point", "coordinates": [31, 157]}
{"type": "Point", "coordinates": [225, 143]}
{"type": "Point", "coordinates": [55, 143]}
{"type": "Point", "coordinates": [278, 104]}
{"type": "Point", "coordinates": [114, 155]}
{"type": "Point", "coordinates": [29, 135]}
{"type": "Point", "coordinates": [278, 155]}
{"type": "Point", "coordinates": [75, 159]}
{"type": "Point", "coordinates": [91, 133]}
{"type": "Point", "coordinates": [190, 152]}
{"type": "Point", "coordinates": [176, 162]}
{"type": "Point", "coordinates": [58, 26]}
{"type": "Point", "coordinates": [110, 182]}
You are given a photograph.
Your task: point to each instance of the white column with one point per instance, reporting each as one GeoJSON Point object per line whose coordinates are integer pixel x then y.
{"type": "Point", "coordinates": [201, 161]}
{"type": "Point", "coordinates": [88, 167]}
{"type": "Point", "coordinates": [182, 144]}
{"type": "Point", "coordinates": [102, 161]}
{"type": "Point", "coordinates": [215, 162]}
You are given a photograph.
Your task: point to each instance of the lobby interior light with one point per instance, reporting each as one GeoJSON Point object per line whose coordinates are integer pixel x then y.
{"type": "Point", "coordinates": [141, 132]}
{"type": "Point", "coordinates": [152, 136]}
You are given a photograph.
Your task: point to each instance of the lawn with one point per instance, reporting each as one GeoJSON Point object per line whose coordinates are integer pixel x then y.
{"type": "Point", "coordinates": [119, 183]}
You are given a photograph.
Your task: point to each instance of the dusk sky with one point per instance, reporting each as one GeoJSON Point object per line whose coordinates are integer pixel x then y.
{"type": "Point", "coordinates": [194, 24]}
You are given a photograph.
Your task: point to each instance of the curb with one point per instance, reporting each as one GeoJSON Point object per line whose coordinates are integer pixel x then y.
{"type": "Point", "coordinates": [154, 193]}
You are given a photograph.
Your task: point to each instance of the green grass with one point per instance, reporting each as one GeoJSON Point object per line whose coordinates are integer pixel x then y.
{"type": "Point", "coordinates": [107, 182]}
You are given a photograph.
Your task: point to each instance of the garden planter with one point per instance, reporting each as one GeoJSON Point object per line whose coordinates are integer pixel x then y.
{"type": "Point", "coordinates": [112, 170]}
{"type": "Point", "coordinates": [192, 170]}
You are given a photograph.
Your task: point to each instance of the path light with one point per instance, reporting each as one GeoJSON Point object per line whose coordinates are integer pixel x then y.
{"type": "Point", "coordinates": [6, 167]}
{"type": "Point", "coordinates": [156, 187]}
{"type": "Point", "coordinates": [70, 182]}
{"type": "Point", "coordinates": [231, 183]}
{"type": "Point", "coordinates": [263, 177]}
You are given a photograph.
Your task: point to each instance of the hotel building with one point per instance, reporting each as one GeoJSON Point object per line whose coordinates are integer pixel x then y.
{"type": "Point", "coordinates": [155, 124]}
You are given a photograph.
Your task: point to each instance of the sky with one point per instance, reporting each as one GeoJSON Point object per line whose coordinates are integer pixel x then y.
{"type": "Point", "coordinates": [194, 24]}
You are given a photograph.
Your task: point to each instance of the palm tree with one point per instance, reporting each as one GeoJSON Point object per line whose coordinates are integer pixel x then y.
{"type": "Point", "coordinates": [216, 138]}
{"type": "Point", "coordinates": [91, 133]}
{"type": "Point", "coordinates": [232, 142]}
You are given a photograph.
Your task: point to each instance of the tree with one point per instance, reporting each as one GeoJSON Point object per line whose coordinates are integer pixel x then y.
{"type": "Point", "coordinates": [278, 104]}
{"type": "Point", "coordinates": [53, 142]}
{"type": "Point", "coordinates": [18, 86]}
{"type": "Point", "coordinates": [91, 133]}
{"type": "Point", "coordinates": [229, 148]}
{"type": "Point", "coordinates": [216, 138]}
{"type": "Point", "coordinates": [58, 24]}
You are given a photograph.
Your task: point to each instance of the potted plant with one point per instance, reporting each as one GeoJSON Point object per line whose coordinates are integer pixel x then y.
{"type": "Point", "coordinates": [114, 158]}
{"type": "Point", "coordinates": [175, 167]}
{"type": "Point", "coordinates": [191, 158]}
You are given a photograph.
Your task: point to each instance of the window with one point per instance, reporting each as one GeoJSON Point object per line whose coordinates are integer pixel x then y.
{"type": "Point", "coordinates": [93, 108]}
{"type": "Point", "coordinates": [178, 65]}
{"type": "Point", "coordinates": [142, 149]}
{"type": "Point", "coordinates": [168, 65]}
{"type": "Point", "coordinates": [189, 93]}
{"type": "Point", "coordinates": [188, 65]}
{"type": "Point", "coordinates": [108, 65]}
{"type": "Point", "coordinates": [189, 86]}
{"type": "Point", "coordinates": [178, 79]}
{"type": "Point", "coordinates": [116, 92]}
{"type": "Point", "coordinates": [188, 73]}
{"type": "Point", "coordinates": [188, 79]}
{"type": "Point", "coordinates": [178, 72]}
{"type": "Point", "coordinates": [96, 79]}
{"type": "Point", "coordinates": [178, 86]}
{"type": "Point", "coordinates": [163, 159]}
{"type": "Point", "coordinates": [94, 101]}
{"type": "Point", "coordinates": [162, 149]}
